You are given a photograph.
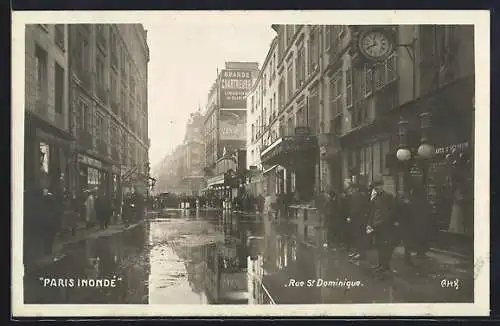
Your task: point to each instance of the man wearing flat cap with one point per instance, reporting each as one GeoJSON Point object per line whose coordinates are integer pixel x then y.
{"type": "Point", "coordinates": [381, 223]}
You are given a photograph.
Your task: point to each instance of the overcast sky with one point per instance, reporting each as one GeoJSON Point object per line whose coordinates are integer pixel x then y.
{"type": "Point", "coordinates": [184, 58]}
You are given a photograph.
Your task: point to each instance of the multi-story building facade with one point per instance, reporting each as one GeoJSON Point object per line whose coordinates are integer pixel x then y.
{"type": "Point", "coordinates": [289, 133]}
{"type": "Point", "coordinates": [194, 153]}
{"type": "Point", "coordinates": [262, 107]}
{"type": "Point", "coordinates": [47, 124]}
{"type": "Point", "coordinates": [108, 98]}
{"type": "Point", "coordinates": [225, 123]}
{"type": "Point", "coordinates": [338, 112]}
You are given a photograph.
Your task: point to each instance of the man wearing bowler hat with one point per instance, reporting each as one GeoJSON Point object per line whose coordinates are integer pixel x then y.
{"type": "Point", "coordinates": [381, 223]}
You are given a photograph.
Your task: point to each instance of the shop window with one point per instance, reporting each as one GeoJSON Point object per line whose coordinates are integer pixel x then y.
{"type": "Point", "coordinates": [44, 157]}
{"type": "Point", "coordinates": [289, 80]}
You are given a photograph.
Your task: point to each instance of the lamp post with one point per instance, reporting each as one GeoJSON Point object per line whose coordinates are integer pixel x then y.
{"type": "Point", "coordinates": [403, 153]}
{"type": "Point", "coordinates": [425, 151]}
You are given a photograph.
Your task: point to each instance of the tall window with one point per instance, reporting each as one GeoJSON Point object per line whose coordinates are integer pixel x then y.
{"type": "Point", "coordinates": [289, 81]}
{"type": "Point", "coordinates": [41, 77]}
{"type": "Point", "coordinates": [253, 132]}
{"type": "Point", "coordinates": [301, 116]}
{"type": "Point", "coordinates": [281, 93]}
{"type": "Point", "coordinates": [84, 115]}
{"type": "Point", "coordinates": [99, 132]}
{"type": "Point", "coordinates": [335, 93]}
{"type": "Point", "coordinates": [100, 74]}
{"type": "Point", "coordinates": [59, 89]}
{"type": "Point", "coordinates": [300, 67]}
{"type": "Point", "coordinates": [386, 72]}
{"type": "Point", "coordinates": [313, 108]}
{"type": "Point", "coordinates": [281, 42]}
{"type": "Point", "coordinates": [313, 55]}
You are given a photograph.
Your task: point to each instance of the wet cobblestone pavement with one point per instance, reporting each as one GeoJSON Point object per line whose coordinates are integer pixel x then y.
{"type": "Point", "coordinates": [214, 257]}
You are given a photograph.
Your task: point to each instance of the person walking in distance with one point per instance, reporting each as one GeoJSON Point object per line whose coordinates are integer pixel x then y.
{"type": "Point", "coordinates": [90, 208]}
{"type": "Point", "coordinates": [103, 209]}
{"type": "Point", "coordinates": [381, 223]}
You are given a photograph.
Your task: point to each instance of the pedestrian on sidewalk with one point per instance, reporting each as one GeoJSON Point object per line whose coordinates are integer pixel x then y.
{"type": "Point", "coordinates": [358, 215]}
{"type": "Point", "coordinates": [90, 215]}
{"type": "Point", "coordinates": [381, 223]}
{"type": "Point", "coordinates": [103, 209]}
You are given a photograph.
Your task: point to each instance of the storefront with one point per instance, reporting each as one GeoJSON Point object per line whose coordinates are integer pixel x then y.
{"type": "Point", "coordinates": [448, 173]}
{"type": "Point", "coordinates": [47, 151]}
{"type": "Point", "coordinates": [298, 159]}
{"type": "Point", "coordinates": [95, 174]}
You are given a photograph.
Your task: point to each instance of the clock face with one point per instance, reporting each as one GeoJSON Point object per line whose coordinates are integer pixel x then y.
{"type": "Point", "coordinates": [375, 45]}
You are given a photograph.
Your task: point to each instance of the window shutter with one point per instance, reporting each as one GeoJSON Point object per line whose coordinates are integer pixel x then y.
{"type": "Point", "coordinates": [391, 68]}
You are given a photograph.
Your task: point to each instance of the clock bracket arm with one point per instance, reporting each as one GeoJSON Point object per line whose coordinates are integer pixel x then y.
{"type": "Point", "coordinates": [410, 48]}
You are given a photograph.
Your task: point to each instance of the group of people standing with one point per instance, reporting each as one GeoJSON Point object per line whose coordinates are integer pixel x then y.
{"type": "Point", "coordinates": [361, 217]}
{"type": "Point", "coordinates": [49, 211]}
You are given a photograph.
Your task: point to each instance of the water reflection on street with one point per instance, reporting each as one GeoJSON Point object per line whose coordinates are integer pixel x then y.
{"type": "Point", "coordinates": [209, 257]}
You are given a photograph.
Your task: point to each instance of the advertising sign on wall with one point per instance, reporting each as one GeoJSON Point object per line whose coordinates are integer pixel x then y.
{"type": "Point", "coordinates": [234, 86]}
{"type": "Point", "coordinates": [232, 125]}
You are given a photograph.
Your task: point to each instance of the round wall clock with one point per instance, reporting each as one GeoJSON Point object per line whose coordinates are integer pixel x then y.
{"type": "Point", "coordinates": [375, 45]}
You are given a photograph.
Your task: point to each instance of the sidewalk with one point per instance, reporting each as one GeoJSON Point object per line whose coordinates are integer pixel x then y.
{"type": "Point", "coordinates": [425, 276]}
{"type": "Point", "coordinates": [419, 281]}
{"type": "Point", "coordinates": [82, 233]}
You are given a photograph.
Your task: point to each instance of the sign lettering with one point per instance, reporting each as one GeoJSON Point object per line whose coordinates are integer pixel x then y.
{"type": "Point", "coordinates": [234, 86]}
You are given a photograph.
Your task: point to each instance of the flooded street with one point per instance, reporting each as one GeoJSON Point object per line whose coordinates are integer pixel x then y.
{"type": "Point", "coordinates": [213, 257]}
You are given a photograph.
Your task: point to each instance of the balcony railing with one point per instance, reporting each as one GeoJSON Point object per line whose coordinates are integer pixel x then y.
{"type": "Point", "coordinates": [85, 139]}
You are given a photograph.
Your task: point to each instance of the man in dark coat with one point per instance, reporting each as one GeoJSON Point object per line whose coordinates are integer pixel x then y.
{"type": "Point", "coordinates": [358, 218]}
{"type": "Point", "coordinates": [103, 208]}
{"type": "Point", "coordinates": [381, 223]}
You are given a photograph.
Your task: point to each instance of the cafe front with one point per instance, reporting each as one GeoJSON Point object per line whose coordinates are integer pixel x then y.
{"type": "Point", "coordinates": [298, 156]}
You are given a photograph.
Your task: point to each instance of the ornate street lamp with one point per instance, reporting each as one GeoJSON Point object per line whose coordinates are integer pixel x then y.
{"type": "Point", "coordinates": [426, 150]}
{"type": "Point", "coordinates": [403, 154]}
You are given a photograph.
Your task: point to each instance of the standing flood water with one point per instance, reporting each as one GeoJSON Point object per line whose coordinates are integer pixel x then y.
{"type": "Point", "coordinates": [215, 258]}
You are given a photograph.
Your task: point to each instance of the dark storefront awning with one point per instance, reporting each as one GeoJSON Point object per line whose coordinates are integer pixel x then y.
{"type": "Point", "coordinates": [286, 150]}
